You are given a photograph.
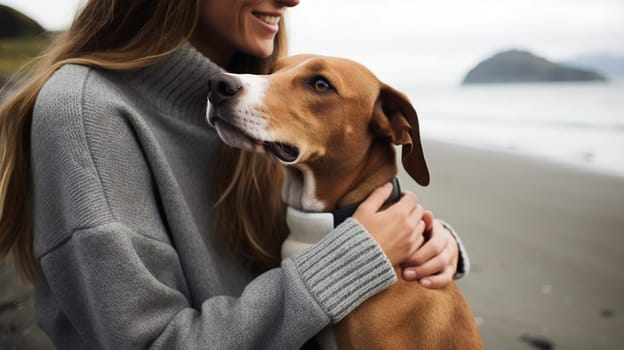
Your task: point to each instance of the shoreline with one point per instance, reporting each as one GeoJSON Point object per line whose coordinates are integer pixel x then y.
{"type": "Point", "coordinates": [574, 164]}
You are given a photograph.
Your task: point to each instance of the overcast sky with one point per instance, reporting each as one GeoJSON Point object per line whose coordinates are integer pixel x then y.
{"type": "Point", "coordinates": [427, 41]}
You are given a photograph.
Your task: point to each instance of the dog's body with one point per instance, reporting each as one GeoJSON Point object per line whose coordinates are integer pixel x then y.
{"type": "Point", "coordinates": [334, 125]}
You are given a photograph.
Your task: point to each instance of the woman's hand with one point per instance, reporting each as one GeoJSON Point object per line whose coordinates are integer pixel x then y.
{"type": "Point", "coordinates": [398, 229]}
{"type": "Point", "coordinates": [435, 263]}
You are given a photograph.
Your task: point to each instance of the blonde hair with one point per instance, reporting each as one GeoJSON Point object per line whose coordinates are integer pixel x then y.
{"type": "Point", "coordinates": [121, 35]}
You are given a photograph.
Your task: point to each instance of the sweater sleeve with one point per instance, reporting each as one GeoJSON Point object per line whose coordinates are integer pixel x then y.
{"type": "Point", "coordinates": [107, 283]}
{"type": "Point", "coordinates": [122, 290]}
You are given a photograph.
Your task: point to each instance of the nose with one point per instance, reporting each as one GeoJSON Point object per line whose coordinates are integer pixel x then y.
{"type": "Point", "coordinates": [223, 87]}
{"type": "Point", "coordinates": [289, 3]}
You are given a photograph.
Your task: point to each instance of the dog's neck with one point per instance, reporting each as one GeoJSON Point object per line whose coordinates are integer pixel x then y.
{"type": "Point", "coordinates": [322, 188]}
{"type": "Point", "coordinates": [313, 194]}
{"type": "Point", "coordinates": [343, 213]}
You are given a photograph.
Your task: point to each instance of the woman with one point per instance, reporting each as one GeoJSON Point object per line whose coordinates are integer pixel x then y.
{"type": "Point", "coordinates": [129, 250]}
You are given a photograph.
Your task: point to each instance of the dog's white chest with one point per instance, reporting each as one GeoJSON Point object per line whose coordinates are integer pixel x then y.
{"type": "Point", "coordinates": [306, 229]}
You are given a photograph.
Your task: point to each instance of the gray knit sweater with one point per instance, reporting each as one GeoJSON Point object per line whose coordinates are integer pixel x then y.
{"type": "Point", "coordinates": [127, 256]}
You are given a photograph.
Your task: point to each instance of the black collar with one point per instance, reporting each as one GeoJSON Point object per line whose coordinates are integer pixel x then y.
{"type": "Point", "coordinates": [342, 214]}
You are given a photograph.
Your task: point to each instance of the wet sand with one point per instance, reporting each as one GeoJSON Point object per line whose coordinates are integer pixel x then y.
{"type": "Point", "coordinates": [546, 241]}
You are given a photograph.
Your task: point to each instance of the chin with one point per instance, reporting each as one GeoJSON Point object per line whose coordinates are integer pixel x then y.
{"type": "Point", "coordinates": [261, 50]}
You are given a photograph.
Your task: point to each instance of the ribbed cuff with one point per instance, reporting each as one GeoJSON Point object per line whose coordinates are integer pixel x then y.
{"type": "Point", "coordinates": [344, 269]}
{"type": "Point", "coordinates": [463, 263]}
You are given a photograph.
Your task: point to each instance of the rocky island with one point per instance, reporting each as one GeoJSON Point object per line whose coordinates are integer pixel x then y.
{"type": "Point", "coordinates": [516, 66]}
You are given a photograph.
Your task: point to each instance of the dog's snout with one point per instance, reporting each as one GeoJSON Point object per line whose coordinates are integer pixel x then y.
{"type": "Point", "coordinates": [223, 87]}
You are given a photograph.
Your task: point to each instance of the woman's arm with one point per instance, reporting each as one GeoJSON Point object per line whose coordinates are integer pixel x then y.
{"type": "Point", "coordinates": [117, 289]}
{"type": "Point", "coordinates": [115, 269]}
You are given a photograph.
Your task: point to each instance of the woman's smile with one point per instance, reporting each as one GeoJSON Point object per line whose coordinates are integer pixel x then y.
{"type": "Point", "coordinates": [269, 20]}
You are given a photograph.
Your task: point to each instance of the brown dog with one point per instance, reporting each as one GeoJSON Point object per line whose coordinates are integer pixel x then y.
{"type": "Point", "coordinates": [334, 125]}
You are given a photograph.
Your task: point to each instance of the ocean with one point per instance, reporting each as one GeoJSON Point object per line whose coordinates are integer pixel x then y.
{"type": "Point", "coordinates": [581, 124]}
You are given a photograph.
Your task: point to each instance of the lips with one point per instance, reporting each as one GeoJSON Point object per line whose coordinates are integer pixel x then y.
{"type": "Point", "coordinates": [269, 19]}
{"type": "Point", "coordinates": [283, 151]}
{"type": "Point", "coordinates": [235, 137]}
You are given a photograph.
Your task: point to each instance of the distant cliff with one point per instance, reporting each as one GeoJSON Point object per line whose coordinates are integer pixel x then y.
{"type": "Point", "coordinates": [610, 65]}
{"type": "Point", "coordinates": [517, 66]}
{"type": "Point", "coordinates": [14, 24]}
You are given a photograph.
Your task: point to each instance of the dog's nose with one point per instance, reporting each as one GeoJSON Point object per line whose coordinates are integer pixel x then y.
{"type": "Point", "coordinates": [223, 87]}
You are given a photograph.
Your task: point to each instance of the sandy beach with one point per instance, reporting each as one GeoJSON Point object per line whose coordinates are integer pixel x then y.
{"type": "Point", "coordinates": [546, 242]}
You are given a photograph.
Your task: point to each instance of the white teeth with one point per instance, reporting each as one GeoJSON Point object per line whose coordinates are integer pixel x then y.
{"type": "Point", "coordinates": [273, 20]}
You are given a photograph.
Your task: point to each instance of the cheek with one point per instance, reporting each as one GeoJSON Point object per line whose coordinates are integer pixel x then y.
{"type": "Point", "coordinates": [225, 19]}
{"type": "Point", "coordinates": [261, 48]}
{"type": "Point", "coordinates": [215, 13]}
{"type": "Point", "coordinates": [266, 49]}
{"type": "Point", "coordinates": [354, 132]}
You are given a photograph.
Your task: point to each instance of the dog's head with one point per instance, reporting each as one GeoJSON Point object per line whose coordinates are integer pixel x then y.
{"type": "Point", "coordinates": [316, 112]}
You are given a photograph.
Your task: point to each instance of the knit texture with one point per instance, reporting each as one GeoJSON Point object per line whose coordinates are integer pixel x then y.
{"type": "Point", "coordinates": [349, 257]}
{"type": "Point", "coordinates": [127, 254]}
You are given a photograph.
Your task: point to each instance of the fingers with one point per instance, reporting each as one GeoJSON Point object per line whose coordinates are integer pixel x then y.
{"type": "Point", "coordinates": [407, 204]}
{"type": "Point", "coordinates": [408, 226]}
{"type": "Point", "coordinates": [397, 229]}
{"type": "Point", "coordinates": [416, 228]}
{"type": "Point", "coordinates": [432, 267]}
{"type": "Point", "coordinates": [432, 248]}
{"type": "Point", "coordinates": [428, 219]}
{"type": "Point", "coordinates": [438, 281]}
{"type": "Point", "coordinates": [375, 200]}
{"type": "Point", "coordinates": [436, 258]}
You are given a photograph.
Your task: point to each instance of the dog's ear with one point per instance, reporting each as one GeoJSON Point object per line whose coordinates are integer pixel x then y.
{"type": "Point", "coordinates": [396, 119]}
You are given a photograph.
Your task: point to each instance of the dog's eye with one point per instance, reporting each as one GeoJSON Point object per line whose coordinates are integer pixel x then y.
{"type": "Point", "coordinates": [321, 84]}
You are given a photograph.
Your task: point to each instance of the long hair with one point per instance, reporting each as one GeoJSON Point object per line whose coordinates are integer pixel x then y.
{"type": "Point", "coordinates": [123, 35]}
{"type": "Point", "coordinates": [250, 214]}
